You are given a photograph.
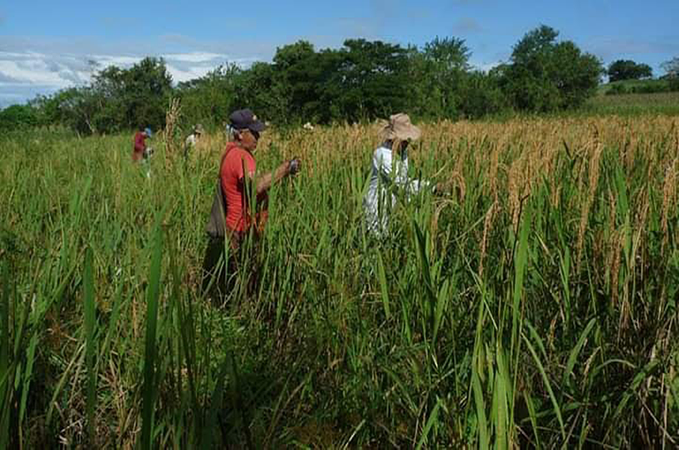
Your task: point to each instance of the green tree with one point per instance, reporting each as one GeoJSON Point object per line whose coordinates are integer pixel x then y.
{"type": "Point", "coordinates": [77, 108]}
{"type": "Point", "coordinates": [146, 88]}
{"type": "Point", "coordinates": [545, 75]}
{"type": "Point", "coordinates": [438, 72]}
{"type": "Point", "coordinates": [449, 54]}
{"type": "Point", "coordinates": [209, 99]}
{"type": "Point", "coordinates": [625, 69]}
{"type": "Point", "coordinates": [480, 95]}
{"type": "Point", "coordinates": [117, 99]}
{"type": "Point", "coordinates": [671, 67]}
{"type": "Point", "coordinates": [371, 80]}
{"type": "Point", "coordinates": [256, 88]}
{"type": "Point", "coordinates": [299, 78]}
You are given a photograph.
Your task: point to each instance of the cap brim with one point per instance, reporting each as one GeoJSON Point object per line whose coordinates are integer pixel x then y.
{"type": "Point", "coordinates": [257, 126]}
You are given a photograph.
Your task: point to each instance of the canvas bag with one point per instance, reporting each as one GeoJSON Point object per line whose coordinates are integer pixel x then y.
{"type": "Point", "coordinates": [216, 225]}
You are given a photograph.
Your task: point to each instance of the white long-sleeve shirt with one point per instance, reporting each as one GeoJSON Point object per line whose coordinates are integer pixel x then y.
{"type": "Point", "coordinates": [387, 171]}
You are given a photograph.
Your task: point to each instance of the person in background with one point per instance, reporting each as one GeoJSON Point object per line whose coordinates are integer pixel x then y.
{"type": "Point", "coordinates": [389, 171]}
{"type": "Point", "coordinates": [241, 185]}
{"type": "Point", "coordinates": [140, 143]}
{"type": "Point", "coordinates": [193, 139]}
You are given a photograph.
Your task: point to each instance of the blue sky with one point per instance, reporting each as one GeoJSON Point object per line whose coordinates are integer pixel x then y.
{"type": "Point", "coordinates": [45, 46]}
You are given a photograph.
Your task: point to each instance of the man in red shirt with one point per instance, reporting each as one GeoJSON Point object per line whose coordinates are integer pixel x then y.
{"type": "Point", "coordinates": [140, 144]}
{"type": "Point", "coordinates": [243, 189]}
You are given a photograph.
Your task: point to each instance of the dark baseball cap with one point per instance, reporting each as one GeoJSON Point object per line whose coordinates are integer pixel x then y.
{"type": "Point", "coordinates": [244, 118]}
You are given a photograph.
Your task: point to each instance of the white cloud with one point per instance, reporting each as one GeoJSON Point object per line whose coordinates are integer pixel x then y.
{"type": "Point", "coordinates": [484, 66]}
{"type": "Point", "coordinates": [112, 60]}
{"type": "Point", "coordinates": [20, 55]}
{"type": "Point", "coordinates": [181, 75]}
{"type": "Point", "coordinates": [36, 71]}
{"type": "Point", "coordinates": [23, 74]}
{"type": "Point", "coordinates": [194, 57]}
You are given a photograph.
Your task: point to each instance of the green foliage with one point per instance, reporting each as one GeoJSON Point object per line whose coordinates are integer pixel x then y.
{"type": "Point", "coordinates": [625, 69]}
{"type": "Point", "coordinates": [438, 74]}
{"type": "Point", "coordinates": [257, 89]}
{"type": "Point", "coordinates": [117, 99]}
{"type": "Point", "coordinates": [481, 95]}
{"type": "Point", "coordinates": [674, 84]}
{"type": "Point", "coordinates": [360, 81]}
{"type": "Point", "coordinates": [209, 99]}
{"type": "Point", "coordinates": [348, 341]}
{"type": "Point", "coordinates": [137, 95]}
{"type": "Point", "coordinates": [303, 76]}
{"type": "Point", "coordinates": [18, 117]}
{"type": "Point", "coordinates": [372, 80]}
{"type": "Point", "coordinates": [636, 87]}
{"type": "Point", "coordinates": [545, 75]}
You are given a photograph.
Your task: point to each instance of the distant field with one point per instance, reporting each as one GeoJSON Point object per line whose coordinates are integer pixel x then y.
{"type": "Point", "coordinates": [534, 305]}
{"type": "Point", "coordinates": [666, 103]}
{"type": "Point", "coordinates": [630, 84]}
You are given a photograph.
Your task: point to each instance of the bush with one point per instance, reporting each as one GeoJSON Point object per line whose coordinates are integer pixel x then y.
{"type": "Point", "coordinates": [18, 117]}
{"type": "Point", "coordinates": [649, 88]}
{"type": "Point", "coordinates": [482, 96]}
{"type": "Point", "coordinates": [617, 89]}
{"type": "Point", "coordinates": [673, 84]}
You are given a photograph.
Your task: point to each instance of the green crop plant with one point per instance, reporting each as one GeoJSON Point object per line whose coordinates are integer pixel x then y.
{"type": "Point", "coordinates": [534, 305]}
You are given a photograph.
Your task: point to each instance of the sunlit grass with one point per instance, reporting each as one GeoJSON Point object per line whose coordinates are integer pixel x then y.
{"type": "Point", "coordinates": [533, 305]}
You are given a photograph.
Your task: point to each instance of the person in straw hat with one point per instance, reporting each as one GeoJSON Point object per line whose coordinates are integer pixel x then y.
{"type": "Point", "coordinates": [390, 169]}
{"type": "Point", "coordinates": [193, 139]}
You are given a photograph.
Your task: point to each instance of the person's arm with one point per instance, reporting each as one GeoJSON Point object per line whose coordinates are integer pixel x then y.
{"type": "Point", "coordinates": [264, 182]}
{"type": "Point", "coordinates": [396, 172]}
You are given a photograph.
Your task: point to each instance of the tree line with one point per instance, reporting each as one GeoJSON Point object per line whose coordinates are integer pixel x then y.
{"type": "Point", "coordinates": [362, 80]}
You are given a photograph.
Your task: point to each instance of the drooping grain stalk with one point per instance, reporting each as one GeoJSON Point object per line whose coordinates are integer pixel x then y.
{"type": "Point", "coordinates": [669, 199]}
{"type": "Point", "coordinates": [172, 117]}
{"type": "Point", "coordinates": [593, 182]}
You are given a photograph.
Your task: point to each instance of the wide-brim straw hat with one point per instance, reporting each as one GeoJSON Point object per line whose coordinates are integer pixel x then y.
{"type": "Point", "coordinates": [198, 129]}
{"type": "Point", "coordinates": [399, 127]}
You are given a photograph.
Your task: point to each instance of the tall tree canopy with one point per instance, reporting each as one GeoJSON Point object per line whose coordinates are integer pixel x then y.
{"type": "Point", "coordinates": [547, 75]}
{"type": "Point", "coordinates": [361, 80]}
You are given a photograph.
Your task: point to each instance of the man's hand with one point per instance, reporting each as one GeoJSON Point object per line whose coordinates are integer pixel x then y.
{"type": "Point", "coordinates": [286, 168]}
{"type": "Point", "coordinates": [293, 166]}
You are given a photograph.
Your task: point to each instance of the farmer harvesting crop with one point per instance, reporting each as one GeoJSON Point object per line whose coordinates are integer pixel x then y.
{"type": "Point", "coordinates": [239, 185]}
{"type": "Point", "coordinates": [389, 171]}
{"type": "Point", "coordinates": [140, 143]}
{"type": "Point", "coordinates": [193, 139]}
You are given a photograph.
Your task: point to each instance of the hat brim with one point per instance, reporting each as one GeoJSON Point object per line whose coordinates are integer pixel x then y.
{"type": "Point", "coordinates": [412, 133]}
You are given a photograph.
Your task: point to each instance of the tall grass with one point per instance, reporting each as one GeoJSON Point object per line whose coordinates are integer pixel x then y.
{"type": "Point", "coordinates": [533, 306]}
